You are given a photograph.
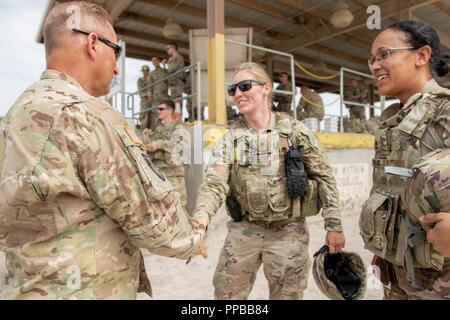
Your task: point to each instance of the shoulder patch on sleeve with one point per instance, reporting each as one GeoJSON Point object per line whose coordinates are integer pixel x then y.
{"type": "Point", "coordinates": [133, 136]}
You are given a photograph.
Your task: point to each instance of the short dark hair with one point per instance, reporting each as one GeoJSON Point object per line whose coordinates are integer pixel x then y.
{"type": "Point", "coordinates": [283, 72]}
{"type": "Point", "coordinates": [173, 44]}
{"type": "Point", "coordinates": [419, 34]}
{"type": "Point", "coordinates": [169, 103]}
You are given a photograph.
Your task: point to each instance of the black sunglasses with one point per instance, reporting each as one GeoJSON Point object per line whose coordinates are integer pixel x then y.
{"type": "Point", "coordinates": [244, 85]}
{"type": "Point", "coordinates": [161, 109]}
{"type": "Point", "coordinates": [117, 49]}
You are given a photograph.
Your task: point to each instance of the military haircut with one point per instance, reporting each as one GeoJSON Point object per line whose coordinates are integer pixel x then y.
{"type": "Point", "coordinates": [169, 103]}
{"type": "Point", "coordinates": [173, 44]}
{"type": "Point", "coordinates": [65, 16]}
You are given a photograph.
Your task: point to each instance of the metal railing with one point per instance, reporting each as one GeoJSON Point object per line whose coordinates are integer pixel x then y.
{"type": "Point", "coordinates": [130, 97]}
{"type": "Point", "coordinates": [341, 93]}
{"type": "Point", "coordinates": [281, 53]}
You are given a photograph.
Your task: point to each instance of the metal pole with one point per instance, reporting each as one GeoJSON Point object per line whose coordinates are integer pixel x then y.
{"type": "Point", "coordinates": [382, 102]}
{"type": "Point", "coordinates": [293, 86]}
{"type": "Point", "coordinates": [199, 92]}
{"type": "Point", "coordinates": [341, 92]}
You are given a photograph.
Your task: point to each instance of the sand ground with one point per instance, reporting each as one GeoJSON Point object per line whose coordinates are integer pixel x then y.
{"type": "Point", "coordinates": [172, 279]}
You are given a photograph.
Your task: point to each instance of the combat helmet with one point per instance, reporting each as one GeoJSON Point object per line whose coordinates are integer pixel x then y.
{"type": "Point", "coordinates": [145, 68]}
{"type": "Point", "coordinates": [340, 276]}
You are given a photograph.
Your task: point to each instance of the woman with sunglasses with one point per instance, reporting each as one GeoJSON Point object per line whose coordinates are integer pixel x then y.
{"type": "Point", "coordinates": [166, 146]}
{"type": "Point", "coordinates": [405, 59]}
{"type": "Point", "coordinates": [268, 225]}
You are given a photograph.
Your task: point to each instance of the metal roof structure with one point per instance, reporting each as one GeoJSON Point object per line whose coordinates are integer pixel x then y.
{"type": "Point", "coordinates": [300, 27]}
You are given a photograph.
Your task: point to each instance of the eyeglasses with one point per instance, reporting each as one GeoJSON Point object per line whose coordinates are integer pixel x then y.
{"type": "Point", "coordinates": [117, 49]}
{"type": "Point", "coordinates": [384, 54]}
{"type": "Point", "coordinates": [161, 109]}
{"type": "Point", "coordinates": [244, 85]}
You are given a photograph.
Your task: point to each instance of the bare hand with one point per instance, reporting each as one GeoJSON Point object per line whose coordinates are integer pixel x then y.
{"type": "Point", "coordinates": [335, 241]}
{"type": "Point", "coordinates": [439, 234]}
{"type": "Point", "coordinates": [164, 61]}
{"type": "Point", "coordinates": [151, 147]}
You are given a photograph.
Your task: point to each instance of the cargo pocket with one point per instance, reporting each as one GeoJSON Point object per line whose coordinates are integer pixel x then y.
{"type": "Point", "coordinates": [257, 193]}
{"type": "Point", "coordinates": [279, 200]}
{"type": "Point", "coordinates": [377, 223]}
{"type": "Point", "coordinates": [310, 203]}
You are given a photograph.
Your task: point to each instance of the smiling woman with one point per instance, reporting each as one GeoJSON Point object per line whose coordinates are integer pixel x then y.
{"type": "Point", "coordinates": [404, 59]}
{"type": "Point", "coordinates": [267, 202]}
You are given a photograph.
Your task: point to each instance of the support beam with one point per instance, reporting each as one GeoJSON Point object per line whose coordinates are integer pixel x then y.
{"type": "Point", "coordinates": [443, 7]}
{"type": "Point", "coordinates": [216, 63]}
{"type": "Point", "coordinates": [115, 8]}
{"type": "Point", "coordinates": [200, 13]}
{"type": "Point", "coordinates": [149, 21]}
{"type": "Point", "coordinates": [338, 54]}
{"type": "Point", "coordinates": [266, 9]}
{"type": "Point", "coordinates": [389, 10]}
{"type": "Point", "coordinates": [148, 37]}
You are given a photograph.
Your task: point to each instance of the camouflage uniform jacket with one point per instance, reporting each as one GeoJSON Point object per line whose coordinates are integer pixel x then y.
{"type": "Point", "coordinates": [160, 90]}
{"type": "Point", "coordinates": [175, 64]}
{"type": "Point", "coordinates": [171, 141]}
{"type": "Point", "coordinates": [355, 94]}
{"type": "Point", "coordinates": [406, 133]}
{"type": "Point", "coordinates": [305, 109]}
{"type": "Point", "coordinates": [227, 170]}
{"type": "Point", "coordinates": [142, 83]}
{"type": "Point", "coordinates": [78, 197]}
{"type": "Point", "coordinates": [283, 98]}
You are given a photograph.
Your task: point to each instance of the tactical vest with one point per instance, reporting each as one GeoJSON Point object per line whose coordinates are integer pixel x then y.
{"type": "Point", "coordinates": [260, 186]}
{"type": "Point", "coordinates": [386, 228]}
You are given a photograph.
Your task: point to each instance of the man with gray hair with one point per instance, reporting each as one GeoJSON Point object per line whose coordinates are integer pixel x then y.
{"type": "Point", "coordinates": [78, 193]}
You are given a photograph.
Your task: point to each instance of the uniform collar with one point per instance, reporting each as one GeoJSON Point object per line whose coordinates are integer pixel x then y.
{"type": "Point", "coordinates": [272, 121]}
{"type": "Point", "coordinates": [57, 75]}
{"type": "Point", "coordinates": [431, 86]}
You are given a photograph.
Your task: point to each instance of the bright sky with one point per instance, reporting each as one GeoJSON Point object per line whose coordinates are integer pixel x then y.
{"type": "Point", "coordinates": [22, 58]}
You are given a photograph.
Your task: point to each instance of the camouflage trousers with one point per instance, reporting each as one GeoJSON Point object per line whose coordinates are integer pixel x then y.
{"type": "Point", "coordinates": [147, 119]}
{"type": "Point", "coordinates": [283, 252]}
{"type": "Point", "coordinates": [433, 285]}
{"type": "Point", "coordinates": [176, 92]}
{"type": "Point", "coordinates": [180, 188]}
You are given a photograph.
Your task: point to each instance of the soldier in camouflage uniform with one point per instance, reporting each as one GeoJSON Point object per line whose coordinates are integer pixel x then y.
{"type": "Point", "coordinates": [167, 145]}
{"type": "Point", "coordinates": [273, 231]}
{"type": "Point", "coordinates": [78, 197]}
{"type": "Point", "coordinates": [159, 91]}
{"type": "Point", "coordinates": [174, 64]}
{"type": "Point", "coordinates": [411, 267]}
{"type": "Point", "coordinates": [146, 98]}
{"type": "Point", "coordinates": [284, 101]}
{"type": "Point", "coordinates": [356, 93]}
{"type": "Point", "coordinates": [310, 105]}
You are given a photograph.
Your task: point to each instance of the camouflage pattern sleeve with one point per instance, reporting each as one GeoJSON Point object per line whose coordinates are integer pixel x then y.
{"type": "Point", "coordinates": [175, 64]}
{"type": "Point", "coordinates": [179, 137]}
{"type": "Point", "coordinates": [438, 135]}
{"type": "Point", "coordinates": [214, 189]}
{"type": "Point", "coordinates": [318, 168]}
{"type": "Point", "coordinates": [124, 183]}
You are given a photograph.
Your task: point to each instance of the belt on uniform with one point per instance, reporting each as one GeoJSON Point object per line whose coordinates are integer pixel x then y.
{"type": "Point", "coordinates": [272, 224]}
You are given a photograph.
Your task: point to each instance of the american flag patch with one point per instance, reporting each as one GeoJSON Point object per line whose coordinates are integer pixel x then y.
{"type": "Point", "coordinates": [133, 136]}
